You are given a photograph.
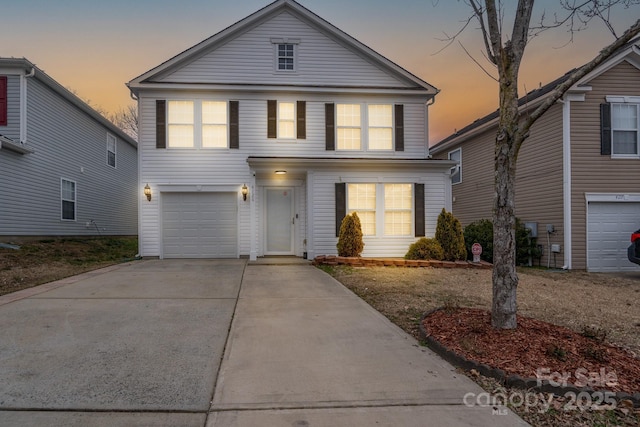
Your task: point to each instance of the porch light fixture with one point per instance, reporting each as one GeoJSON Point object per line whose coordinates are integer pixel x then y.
{"type": "Point", "coordinates": [281, 172]}
{"type": "Point", "coordinates": [147, 192]}
{"type": "Point", "coordinates": [245, 191]}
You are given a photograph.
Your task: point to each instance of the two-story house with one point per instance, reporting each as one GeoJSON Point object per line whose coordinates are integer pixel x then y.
{"type": "Point", "coordinates": [65, 169]}
{"type": "Point", "coordinates": [258, 140]}
{"type": "Point", "coordinates": [577, 174]}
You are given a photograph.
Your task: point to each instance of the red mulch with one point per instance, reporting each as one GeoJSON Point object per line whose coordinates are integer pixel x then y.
{"type": "Point", "coordinates": [533, 345]}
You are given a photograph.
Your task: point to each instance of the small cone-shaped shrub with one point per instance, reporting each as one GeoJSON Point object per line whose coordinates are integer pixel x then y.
{"type": "Point", "coordinates": [350, 240]}
{"type": "Point", "coordinates": [449, 234]}
{"type": "Point", "coordinates": [425, 249]}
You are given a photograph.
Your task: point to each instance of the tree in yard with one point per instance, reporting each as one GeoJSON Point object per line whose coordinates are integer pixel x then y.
{"type": "Point", "coordinates": [127, 119]}
{"type": "Point", "coordinates": [505, 52]}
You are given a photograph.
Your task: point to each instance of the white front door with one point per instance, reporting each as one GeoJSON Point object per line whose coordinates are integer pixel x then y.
{"type": "Point", "coordinates": [280, 221]}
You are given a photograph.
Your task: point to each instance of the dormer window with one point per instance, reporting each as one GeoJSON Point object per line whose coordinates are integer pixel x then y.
{"type": "Point", "coordinates": [285, 54]}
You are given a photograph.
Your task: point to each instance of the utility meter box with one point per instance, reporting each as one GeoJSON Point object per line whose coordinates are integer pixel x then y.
{"type": "Point", "coordinates": [533, 228]}
{"type": "Point", "coordinates": [555, 248]}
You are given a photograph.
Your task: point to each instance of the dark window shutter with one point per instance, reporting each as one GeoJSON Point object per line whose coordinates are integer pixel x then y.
{"type": "Point", "coordinates": [399, 127]}
{"type": "Point", "coordinates": [330, 120]}
{"type": "Point", "coordinates": [3, 101]}
{"type": "Point", "coordinates": [605, 129]}
{"type": "Point", "coordinates": [341, 205]}
{"type": "Point", "coordinates": [272, 124]}
{"type": "Point", "coordinates": [234, 124]}
{"type": "Point", "coordinates": [161, 123]}
{"type": "Point", "coordinates": [418, 190]}
{"type": "Point", "coordinates": [301, 118]}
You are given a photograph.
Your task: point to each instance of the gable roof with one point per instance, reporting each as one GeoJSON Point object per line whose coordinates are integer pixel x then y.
{"type": "Point", "coordinates": [263, 15]}
{"type": "Point", "coordinates": [27, 67]}
{"type": "Point", "coordinates": [630, 51]}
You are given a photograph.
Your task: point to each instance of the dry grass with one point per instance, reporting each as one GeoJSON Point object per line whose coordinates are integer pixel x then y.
{"type": "Point", "coordinates": [43, 261]}
{"type": "Point", "coordinates": [585, 302]}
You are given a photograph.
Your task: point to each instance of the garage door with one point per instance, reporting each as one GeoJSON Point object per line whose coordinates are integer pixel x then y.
{"type": "Point", "coordinates": [609, 230]}
{"type": "Point", "coordinates": [199, 225]}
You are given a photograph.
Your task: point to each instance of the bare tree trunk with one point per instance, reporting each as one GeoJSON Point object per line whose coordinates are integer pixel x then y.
{"type": "Point", "coordinates": [505, 278]}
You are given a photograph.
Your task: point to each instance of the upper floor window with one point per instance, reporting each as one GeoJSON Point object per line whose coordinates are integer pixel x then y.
{"type": "Point", "coordinates": [380, 127]}
{"type": "Point", "coordinates": [286, 58]}
{"type": "Point", "coordinates": [625, 126]}
{"type": "Point", "coordinates": [197, 124]}
{"type": "Point", "coordinates": [286, 120]}
{"type": "Point", "coordinates": [111, 150]}
{"type": "Point", "coordinates": [348, 127]}
{"type": "Point", "coordinates": [456, 171]}
{"type": "Point", "coordinates": [68, 199]}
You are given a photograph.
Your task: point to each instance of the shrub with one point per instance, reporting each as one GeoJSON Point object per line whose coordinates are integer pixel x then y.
{"type": "Point", "coordinates": [480, 231]}
{"type": "Point", "coordinates": [350, 239]}
{"type": "Point", "coordinates": [425, 249]}
{"type": "Point", "coordinates": [449, 235]}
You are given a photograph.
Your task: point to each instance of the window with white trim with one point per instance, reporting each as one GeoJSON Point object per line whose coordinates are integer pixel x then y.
{"type": "Point", "coordinates": [214, 124]}
{"type": "Point", "coordinates": [625, 127]}
{"type": "Point", "coordinates": [286, 120]}
{"type": "Point", "coordinates": [361, 198]}
{"type": "Point", "coordinates": [398, 209]}
{"type": "Point", "coordinates": [286, 57]}
{"type": "Point", "coordinates": [68, 199]}
{"type": "Point", "coordinates": [111, 150]}
{"type": "Point", "coordinates": [348, 127]}
{"type": "Point", "coordinates": [456, 171]}
{"type": "Point", "coordinates": [197, 124]}
{"type": "Point", "coordinates": [383, 209]}
{"type": "Point", "coordinates": [180, 124]}
{"type": "Point", "coordinates": [380, 127]}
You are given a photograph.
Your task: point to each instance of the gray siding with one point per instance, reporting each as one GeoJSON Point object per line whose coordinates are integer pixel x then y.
{"type": "Point", "coordinates": [68, 144]}
{"type": "Point", "coordinates": [538, 179]}
{"type": "Point", "coordinates": [250, 59]}
{"type": "Point", "coordinates": [12, 130]}
{"type": "Point", "coordinates": [592, 172]}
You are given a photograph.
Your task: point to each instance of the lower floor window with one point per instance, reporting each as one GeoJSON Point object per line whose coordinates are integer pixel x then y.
{"type": "Point", "coordinates": [68, 198]}
{"type": "Point", "coordinates": [383, 209]}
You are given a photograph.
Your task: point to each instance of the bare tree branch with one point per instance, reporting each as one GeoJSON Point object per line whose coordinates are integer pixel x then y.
{"type": "Point", "coordinates": [477, 63]}
{"type": "Point", "coordinates": [477, 10]}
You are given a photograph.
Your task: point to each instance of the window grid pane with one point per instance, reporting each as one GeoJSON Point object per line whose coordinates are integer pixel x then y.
{"type": "Point", "coordinates": [285, 56]}
{"type": "Point", "coordinates": [348, 127]}
{"type": "Point", "coordinates": [68, 195]}
{"type": "Point", "coordinates": [362, 199]}
{"type": "Point", "coordinates": [286, 120]}
{"type": "Point", "coordinates": [214, 136]}
{"type": "Point", "coordinates": [181, 124]}
{"type": "Point", "coordinates": [398, 200]}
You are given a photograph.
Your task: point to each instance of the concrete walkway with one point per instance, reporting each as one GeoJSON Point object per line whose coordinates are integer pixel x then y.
{"type": "Point", "coordinates": [218, 343]}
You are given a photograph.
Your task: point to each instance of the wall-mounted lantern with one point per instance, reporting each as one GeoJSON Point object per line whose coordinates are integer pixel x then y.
{"type": "Point", "coordinates": [147, 192]}
{"type": "Point", "coordinates": [245, 191]}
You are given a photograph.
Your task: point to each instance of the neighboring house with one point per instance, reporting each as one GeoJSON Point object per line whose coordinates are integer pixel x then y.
{"type": "Point", "coordinates": [305, 120]}
{"type": "Point", "coordinates": [66, 170]}
{"type": "Point", "coordinates": [577, 173]}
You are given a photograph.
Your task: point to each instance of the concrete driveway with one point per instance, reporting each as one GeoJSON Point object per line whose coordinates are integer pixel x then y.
{"type": "Point", "coordinates": [218, 343]}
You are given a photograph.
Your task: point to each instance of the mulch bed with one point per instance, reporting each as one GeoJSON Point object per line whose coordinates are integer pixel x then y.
{"type": "Point", "coordinates": [532, 346]}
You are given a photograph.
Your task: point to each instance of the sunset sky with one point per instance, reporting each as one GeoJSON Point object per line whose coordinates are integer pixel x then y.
{"type": "Point", "coordinates": [94, 47]}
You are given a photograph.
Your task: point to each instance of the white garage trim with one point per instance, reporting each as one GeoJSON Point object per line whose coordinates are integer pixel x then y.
{"type": "Point", "coordinates": [610, 220]}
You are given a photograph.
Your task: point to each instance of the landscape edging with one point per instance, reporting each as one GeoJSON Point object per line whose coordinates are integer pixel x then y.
{"type": "Point", "coordinates": [514, 381]}
{"type": "Point", "coordinates": [396, 262]}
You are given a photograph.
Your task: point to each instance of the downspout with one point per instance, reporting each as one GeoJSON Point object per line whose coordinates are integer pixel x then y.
{"type": "Point", "coordinates": [23, 104]}
{"type": "Point", "coordinates": [566, 181]}
{"type": "Point", "coordinates": [429, 103]}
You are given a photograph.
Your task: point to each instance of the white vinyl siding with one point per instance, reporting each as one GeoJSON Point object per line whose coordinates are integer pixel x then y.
{"type": "Point", "coordinates": [111, 150]}
{"type": "Point", "coordinates": [625, 125]}
{"type": "Point", "coordinates": [68, 200]}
